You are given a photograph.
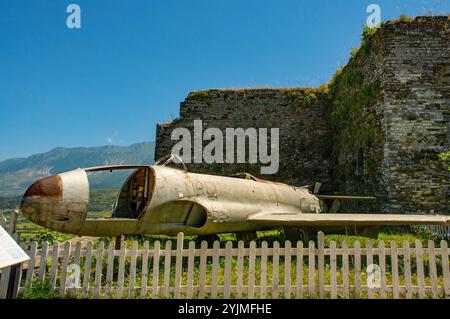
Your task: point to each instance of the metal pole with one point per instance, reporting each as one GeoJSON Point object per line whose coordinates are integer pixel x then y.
{"type": "Point", "coordinates": [118, 243]}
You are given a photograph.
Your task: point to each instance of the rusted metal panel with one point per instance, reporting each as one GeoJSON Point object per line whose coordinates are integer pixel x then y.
{"type": "Point", "coordinates": [49, 186]}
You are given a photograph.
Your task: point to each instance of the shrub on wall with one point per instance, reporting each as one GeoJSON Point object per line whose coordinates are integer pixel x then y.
{"type": "Point", "coordinates": [445, 158]}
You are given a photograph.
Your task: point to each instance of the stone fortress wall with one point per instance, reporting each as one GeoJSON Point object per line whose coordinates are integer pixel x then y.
{"type": "Point", "coordinates": [376, 129]}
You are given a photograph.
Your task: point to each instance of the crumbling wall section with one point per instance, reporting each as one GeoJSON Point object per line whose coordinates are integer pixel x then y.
{"type": "Point", "coordinates": [417, 107]}
{"type": "Point", "coordinates": [390, 118]}
{"type": "Point", "coordinates": [302, 116]}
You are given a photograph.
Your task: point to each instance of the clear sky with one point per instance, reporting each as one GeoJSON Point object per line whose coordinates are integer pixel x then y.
{"type": "Point", "coordinates": [133, 62]}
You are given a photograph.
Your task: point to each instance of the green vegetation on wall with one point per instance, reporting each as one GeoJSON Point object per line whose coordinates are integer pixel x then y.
{"type": "Point", "coordinates": [366, 44]}
{"type": "Point", "coordinates": [445, 158]}
{"type": "Point", "coordinates": [356, 126]}
{"type": "Point", "coordinates": [305, 98]}
{"type": "Point", "coordinates": [198, 94]}
{"type": "Point", "coordinates": [357, 134]}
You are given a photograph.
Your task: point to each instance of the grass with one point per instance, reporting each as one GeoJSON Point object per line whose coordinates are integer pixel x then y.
{"type": "Point", "coordinates": [206, 93]}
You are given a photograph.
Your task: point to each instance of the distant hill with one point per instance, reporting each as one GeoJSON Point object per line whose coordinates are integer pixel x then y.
{"type": "Point", "coordinates": [19, 173]}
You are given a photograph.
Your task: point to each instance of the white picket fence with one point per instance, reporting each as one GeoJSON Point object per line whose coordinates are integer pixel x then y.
{"type": "Point", "coordinates": [292, 271]}
{"type": "Point", "coordinates": [10, 227]}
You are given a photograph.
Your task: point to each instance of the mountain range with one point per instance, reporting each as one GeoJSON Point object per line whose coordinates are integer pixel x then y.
{"type": "Point", "coordinates": [17, 174]}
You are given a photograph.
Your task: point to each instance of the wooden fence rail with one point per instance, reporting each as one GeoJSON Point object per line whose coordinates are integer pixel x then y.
{"type": "Point", "coordinates": [223, 271]}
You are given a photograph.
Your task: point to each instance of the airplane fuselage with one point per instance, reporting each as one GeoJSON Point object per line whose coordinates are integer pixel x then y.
{"type": "Point", "coordinates": [172, 200]}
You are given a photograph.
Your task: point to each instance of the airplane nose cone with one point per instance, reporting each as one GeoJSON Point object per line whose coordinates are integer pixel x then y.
{"type": "Point", "coordinates": [40, 196]}
{"type": "Point", "coordinates": [58, 202]}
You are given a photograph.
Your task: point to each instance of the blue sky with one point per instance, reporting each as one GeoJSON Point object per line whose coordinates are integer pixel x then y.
{"type": "Point", "coordinates": [133, 62]}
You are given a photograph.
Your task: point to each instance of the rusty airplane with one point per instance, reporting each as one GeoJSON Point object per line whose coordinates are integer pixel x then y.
{"type": "Point", "coordinates": [159, 199]}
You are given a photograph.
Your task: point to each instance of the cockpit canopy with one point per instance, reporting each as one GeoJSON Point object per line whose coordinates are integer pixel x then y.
{"type": "Point", "coordinates": [135, 193]}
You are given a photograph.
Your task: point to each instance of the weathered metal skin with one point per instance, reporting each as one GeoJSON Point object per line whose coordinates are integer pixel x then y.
{"type": "Point", "coordinates": [197, 204]}
{"type": "Point", "coordinates": [58, 202]}
{"type": "Point", "coordinates": [228, 202]}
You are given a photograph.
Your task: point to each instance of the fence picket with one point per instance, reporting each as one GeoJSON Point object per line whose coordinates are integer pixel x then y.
{"type": "Point", "coordinates": [407, 269]}
{"type": "Point", "coordinates": [240, 265]}
{"type": "Point", "coordinates": [215, 269]}
{"type": "Point", "coordinates": [251, 270]}
{"type": "Point", "coordinates": [369, 259]}
{"type": "Point", "coordinates": [433, 270]}
{"type": "Point", "coordinates": [77, 255]}
{"type": "Point", "coordinates": [312, 270]}
{"type": "Point", "coordinates": [275, 270]}
{"type": "Point", "coordinates": [55, 264]}
{"type": "Point", "coordinates": [394, 266]}
{"type": "Point", "coordinates": [357, 247]}
{"type": "Point", "coordinates": [202, 270]}
{"type": "Point", "coordinates": [99, 269]}
{"type": "Point", "coordinates": [299, 270]}
{"type": "Point", "coordinates": [132, 277]}
{"type": "Point", "coordinates": [19, 269]}
{"type": "Point", "coordinates": [155, 272]}
{"type": "Point", "coordinates": [144, 270]}
{"type": "Point", "coordinates": [345, 270]}
{"type": "Point", "coordinates": [227, 274]}
{"type": "Point", "coordinates": [263, 280]}
{"type": "Point", "coordinates": [87, 269]}
{"type": "Point", "coordinates": [43, 263]}
{"type": "Point", "coordinates": [121, 272]}
{"type": "Point", "coordinates": [31, 263]}
{"type": "Point", "coordinates": [4, 282]}
{"type": "Point", "coordinates": [178, 264]}
{"type": "Point", "coordinates": [420, 270]}
{"type": "Point", "coordinates": [76, 261]}
{"type": "Point", "coordinates": [190, 270]}
{"type": "Point", "coordinates": [321, 263]}
{"type": "Point", "coordinates": [287, 269]}
{"type": "Point", "coordinates": [167, 264]}
{"type": "Point", "coordinates": [109, 269]}
{"type": "Point", "coordinates": [445, 268]}
{"type": "Point", "coordinates": [333, 282]}
{"type": "Point", "coordinates": [66, 254]}
{"type": "Point", "coordinates": [382, 261]}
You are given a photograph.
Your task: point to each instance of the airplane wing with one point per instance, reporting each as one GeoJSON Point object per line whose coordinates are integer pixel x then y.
{"type": "Point", "coordinates": [295, 219]}
{"type": "Point", "coordinates": [344, 197]}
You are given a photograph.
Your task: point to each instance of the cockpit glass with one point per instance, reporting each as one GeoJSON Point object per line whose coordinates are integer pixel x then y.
{"type": "Point", "coordinates": [118, 192]}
